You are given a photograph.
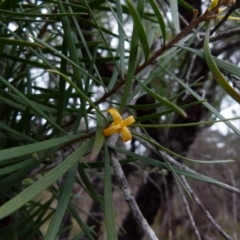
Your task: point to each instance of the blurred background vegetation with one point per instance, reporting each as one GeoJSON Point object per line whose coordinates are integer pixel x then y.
{"type": "Point", "coordinates": [63, 63]}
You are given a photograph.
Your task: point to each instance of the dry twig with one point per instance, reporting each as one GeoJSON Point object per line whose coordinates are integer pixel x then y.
{"type": "Point", "coordinates": [189, 212]}
{"type": "Point", "coordinates": [150, 235]}
{"type": "Point", "coordinates": [207, 214]}
{"type": "Point", "coordinates": [175, 163]}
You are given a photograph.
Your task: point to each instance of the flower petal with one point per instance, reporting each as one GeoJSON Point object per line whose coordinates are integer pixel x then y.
{"type": "Point", "coordinates": [230, 18]}
{"type": "Point", "coordinates": [111, 130]}
{"type": "Point", "coordinates": [214, 3]}
{"type": "Point", "coordinates": [115, 114]}
{"type": "Point", "coordinates": [126, 134]}
{"type": "Point", "coordinates": [128, 121]}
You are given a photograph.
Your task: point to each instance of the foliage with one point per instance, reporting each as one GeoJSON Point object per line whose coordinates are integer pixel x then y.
{"type": "Point", "coordinates": [63, 65]}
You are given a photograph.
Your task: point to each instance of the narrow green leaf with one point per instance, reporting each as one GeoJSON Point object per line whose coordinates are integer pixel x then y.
{"type": "Point", "coordinates": [17, 177]}
{"type": "Point", "coordinates": [29, 193]}
{"type": "Point", "coordinates": [16, 133]}
{"type": "Point", "coordinates": [228, 67]}
{"type": "Point", "coordinates": [54, 225]}
{"type": "Point", "coordinates": [14, 13]}
{"type": "Point", "coordinates": [215, 71]}
{"type": "Point", "coordinates": [175, 14]}
{"type": "Point", "coordinates": [78, 236]}
{"type": "Point", "coordinates": [99, 139]}
{"type": "Point", "coordinates": [121, 33]}
{"type": "Point", "coordinates": [182, 124]}
{"type": "Point", "coordinates": [131, 63]}
{"type": "Point", "coordinates": [77, 75]}
{"type": "Point", "coordinates": [163, 165]}
{"type": "Point", "coordinates": [25, 61]}
{"type": "Point", "coordinates": [17, 152]}
{"type": "Point", "coordinates": [31, 104]}
{"type": "Point", "coordinates": [79, 91]}
{"type": "Point", "coordinates": [89, 186]}
{"type": "Point", "coordinates": [18, 103]}
{"type": "Point", "coordinates": [162, 148]}
{"type": "Point", "coordinates": [101, 33]}
{"type": "Point", "coordinates": [58, 53]}
{"type": "Point", "coordinates": [185, 5]}
{"type": "Point", "coordinates": [9, 41]}
{"type": "Point", "coordinates": [206, 104]}
{"type": "Point", "coordinates": [17, 166]}
{"type": "Point", "coordinates": [159, 18]}
{"type": "Point", "coordinates": [164, 101]}
{"type": "Point", "coordinates": [140, 29]}
{"type": "Point", "coordinates": [163, 113]}
{"type": "Point", "coordinates": [86, 229]}
{"type": "Point", "coordinates": [62, 94]}
{"type": "Point", "coordinates": [101, 164]}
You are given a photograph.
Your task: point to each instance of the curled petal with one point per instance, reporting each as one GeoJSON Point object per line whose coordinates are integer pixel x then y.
{"type": "Point", "coordinates": [111, 130]}
{"type": "Point", "coordinates": [128, 121]}
{"type": "Point", "coordinates": [115, 114]}
{"type": "Point", "coordinates": [230, 18]}
{"type": "Point", "coordinates": [126, 135]}
{"type": "Point", "coordinates": [214, 3]}
{"type": "Point", "coordinates": [119, 125]}
{"type": "Point", "coordinates": [221, 9]}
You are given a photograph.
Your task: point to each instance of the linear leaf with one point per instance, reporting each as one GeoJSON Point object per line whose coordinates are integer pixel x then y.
{"type": "Point", "coordinates": [79, 91]}
{"type": "Point", "coordinates": [228, 67]}
{"type": "Point", "coordinates": [206, 104]}
{"type": "Point", "coordinates": [17, 166]}
{"type": "Point", "coordinates": [31, 104]}
{"type": "Point", "coordinates": [54, 225]}
{"type": "Point", "coordinates": [15, 42]}
{"type": "Point", "coordinates": [140, 29]}
{"type": "Point", "coordinates": [215, 71]}
{"type": "Point", "coordinates": [131, 63]}
{"type": "Point", "coordinates": [108, 201]}
{"type": "Point", "coordinates": [163, 165]}
{"type": "Point", "coordinates": [15, 152]}
{"type": "Point", "coordinates": [89, 186]}
{"type": "Point", "coordinates": [29, 193]}
{"type": "Point", "coordinates": [174, 13]}
{"type": "Point", "coordinates": [99, 139]}
{"type": "Point", "coordinates": [164, 101]}
{"type": "Point", "coordinates": [159, 18]}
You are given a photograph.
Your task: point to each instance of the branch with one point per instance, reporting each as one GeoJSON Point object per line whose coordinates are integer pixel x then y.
{"type": "Point", "coordinates": [229, 47]}
{"type": "Point", "coordinates": [157, 54]}
{"type": "Point", "coordinates": [221, 36]}
{"type": "Point", "coordinates": [226, 34]}
{"type": "Point", "coordinates": [144, 226]}
{"type": "Point", "coordinates": [234, 205]}
{"type": "Point", "coordinates": [175, 163]}
{"type": "Point", "coordinates": [234, 7]}
{"type": "Point", "coordinates": [207, 214]}
{"type": "Point", "coordinates": [189, 212]}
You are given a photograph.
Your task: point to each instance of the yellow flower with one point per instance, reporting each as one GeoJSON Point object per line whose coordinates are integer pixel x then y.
{"type": "Point", "coordinates": [214, 3]}
{"type": "Point", "coordinates": [119, 125]}
{"type": "Point", "coordinates": [220, 3]}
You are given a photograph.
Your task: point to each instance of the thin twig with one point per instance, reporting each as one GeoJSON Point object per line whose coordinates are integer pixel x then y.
{"type": "Point", "coordinates": [175, 163]}
{"type": "Point", "coordinates": [189, 212]}
{"type": "Point", "coordinates": [221, 36]}
{"type": "Point", "coordinates": [226, 34]}
{"type": "Point", "coordinates": [234, 7]}
{"type": "Point", "coordinates": [234, 206]}
{"type": "Point", "coordinates": [44, 168]}
{"type": "Point", "coordinates": [207, 214]}
{"type": "Point", "coordinates": [144, 226]}
{"type": "Point", "coordinates": [229, 48]}
{"type": "Point", "coordinates": [184, 167]}
{"type": "Point", "coordinates": [157, 54]}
